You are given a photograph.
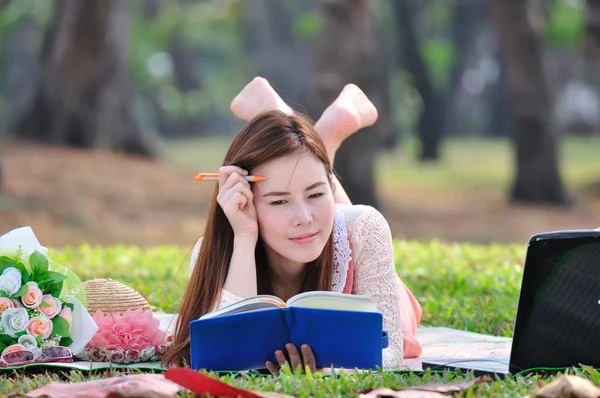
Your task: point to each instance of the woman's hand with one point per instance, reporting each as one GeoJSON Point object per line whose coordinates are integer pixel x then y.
{"type": "Point", "coordinates": [236, 199]}
{"type": "Point", "coordinates": [304, 358]}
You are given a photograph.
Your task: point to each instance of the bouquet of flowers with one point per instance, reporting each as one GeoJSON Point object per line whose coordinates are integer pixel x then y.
{"type": "Point", "coordinates": [42, 303]}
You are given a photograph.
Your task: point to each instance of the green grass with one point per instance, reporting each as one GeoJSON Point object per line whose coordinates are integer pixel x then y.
{"type": "Point", "coordinates": [467, 163]}
{"type": "Point", "coordinates": [461, 286]}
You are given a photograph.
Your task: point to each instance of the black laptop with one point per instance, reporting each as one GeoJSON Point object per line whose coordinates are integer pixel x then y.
{"type": "Point", "coordinates": [557, 325]}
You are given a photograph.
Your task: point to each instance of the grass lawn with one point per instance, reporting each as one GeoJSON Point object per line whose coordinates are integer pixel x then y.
{"type": "Point", "coordinates": [462, 286]}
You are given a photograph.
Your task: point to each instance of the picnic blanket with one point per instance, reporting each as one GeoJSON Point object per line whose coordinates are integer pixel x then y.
{"type": "Point", "coordinates": [437, 343]}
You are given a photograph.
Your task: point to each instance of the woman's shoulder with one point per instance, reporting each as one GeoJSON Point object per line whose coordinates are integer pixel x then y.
{"type": "Point", "coordinates": [359, 216]}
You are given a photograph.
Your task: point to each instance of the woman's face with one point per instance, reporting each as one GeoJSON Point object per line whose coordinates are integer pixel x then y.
{"type": "Point", "coordinates": [294, 206]}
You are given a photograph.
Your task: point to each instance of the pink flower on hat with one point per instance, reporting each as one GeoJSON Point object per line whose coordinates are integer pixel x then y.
{"type": "Point", "coordinates": [134, 330]}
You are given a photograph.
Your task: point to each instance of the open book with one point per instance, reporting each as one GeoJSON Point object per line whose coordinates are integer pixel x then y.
{"type": "Point", "coordinates": [343, 330]}
{"type": "Point", "coordinates": [314, 299]}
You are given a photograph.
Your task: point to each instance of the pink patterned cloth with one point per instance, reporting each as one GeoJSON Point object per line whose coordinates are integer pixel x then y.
{"type": "Point", "coordinates": [146, 385]}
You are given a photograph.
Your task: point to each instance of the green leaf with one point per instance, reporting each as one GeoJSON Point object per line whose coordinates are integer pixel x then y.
{"type": "Point", "coordinates": [39, 339]}
{"type": "Point", "coordinates": [53, 288]}
{"type": "Point", "coordinates": [3, 293]}
{"type": "Point", "coordinates": [6, 262]}
{"type": "Point", "coordinates": [66, 341]}
{"type": "Point", "coordinates": [21, 292]}
{"type": "Point", "coordinates": [24, 273]}
{"type": "Point", "coordinates": [60, 327]}
{"type": "Point", "coordinates": [6, 339]}
{"type": "Point", "coordinates": [2, 346]}
{"type": "Point", "coordinates": [39, 277]}
{"type": "Point", "coordinates": [51, 277]}
{"type": "Point", "coordinates": [38, 263]}
{"type": "Point", "coordinates": [21, 333]}
{"type": "Point", "coordinates": [70, 305]}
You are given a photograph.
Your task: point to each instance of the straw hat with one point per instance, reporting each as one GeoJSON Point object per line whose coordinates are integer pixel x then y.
{"type": "Point", "coordinates": [112, 297]}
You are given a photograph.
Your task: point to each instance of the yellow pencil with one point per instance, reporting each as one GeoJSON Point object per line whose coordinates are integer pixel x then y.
{"type": "Point", "coordinates": [215, 177]}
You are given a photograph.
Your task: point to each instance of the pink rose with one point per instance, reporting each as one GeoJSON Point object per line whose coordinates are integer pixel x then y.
{"type": "Point", "coordinates": [6, 303]}
{"type": "Point", "coordinates": [50, 306]}
{"type": "Point", "coordinates": [39, 325]}
{"type": "Point", "coordinates": [14, 348]}
{"type": "Point", "coordinates": [33, 297]}
{"type": "Point", "coordinates": [67, 314]}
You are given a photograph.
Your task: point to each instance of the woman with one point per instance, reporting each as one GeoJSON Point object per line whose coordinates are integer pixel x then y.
{"type": "Point", "coordinates": [286, 235]}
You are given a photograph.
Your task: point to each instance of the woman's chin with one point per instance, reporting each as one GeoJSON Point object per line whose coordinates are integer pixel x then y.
{"type": "Point", "coordinates": [305, 256]}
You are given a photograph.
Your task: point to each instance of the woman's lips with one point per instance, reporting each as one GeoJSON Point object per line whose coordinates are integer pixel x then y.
{"type": "Point", "coordinates": [304, 239]}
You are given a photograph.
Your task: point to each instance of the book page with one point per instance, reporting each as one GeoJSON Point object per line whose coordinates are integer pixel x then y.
{"type": "Point", "coordinates": [333, 301]}
{"type": "Point", "coordinates": [250, 304]}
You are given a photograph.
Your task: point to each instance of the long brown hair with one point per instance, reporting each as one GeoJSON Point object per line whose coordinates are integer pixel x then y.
{"type": "Point", "coordinates": [268, 136]}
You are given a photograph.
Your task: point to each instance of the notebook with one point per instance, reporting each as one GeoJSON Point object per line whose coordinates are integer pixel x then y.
{"type": "Point", "coordinates": [558, 312]}
{"type": "Point", "coordinates": [343, 331]}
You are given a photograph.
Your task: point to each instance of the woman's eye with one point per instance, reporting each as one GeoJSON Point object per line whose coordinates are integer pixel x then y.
{"type": "Point", "coordinates": [278, 202]}
{"type": "Point", "coordinates": [316, 195]}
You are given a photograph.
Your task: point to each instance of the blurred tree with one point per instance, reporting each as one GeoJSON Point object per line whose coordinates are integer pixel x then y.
{"type": "Point", "coordinates": [592, 38]}
{"type": "Point", "coordinates": [537, 170]}
{"type": "Point", "coordinates": [82, 96]}
{"type": "Point", "coordinates": [278, 40]}
{"type": "Point", "coordinates": [347, 52]}
{"type": "Point", "coordinates": [429, 125]}
{"type": "Point", "coordinates": [3, 4]}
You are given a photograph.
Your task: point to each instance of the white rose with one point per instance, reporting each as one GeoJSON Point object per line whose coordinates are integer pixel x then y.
{"type": "Point", "coordinates": [10, 281]}
{"type": "Point", "coordinates": [28, 342]}
{"type": "Point", "coordinates": [12, 271]}
{"type": "Point", "coordinates": [14, 320]}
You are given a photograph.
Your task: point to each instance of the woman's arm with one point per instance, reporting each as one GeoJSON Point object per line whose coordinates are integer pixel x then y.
{"type": "Point", "coordinates": [375, 276]}
{"type": "Point", "coordinates": [236, 287]}
{"type": "Point", "coordinates": [241, 277]}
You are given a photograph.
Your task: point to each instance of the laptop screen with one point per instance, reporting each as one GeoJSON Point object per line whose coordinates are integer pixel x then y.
{"type": "Point", "coordinates": [558, 315]}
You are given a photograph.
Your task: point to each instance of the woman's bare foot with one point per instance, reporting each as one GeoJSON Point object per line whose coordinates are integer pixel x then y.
{"type": "Point", "coordinates": [258, 96]}
{"type": "Point", "coordinates": [350, 112]}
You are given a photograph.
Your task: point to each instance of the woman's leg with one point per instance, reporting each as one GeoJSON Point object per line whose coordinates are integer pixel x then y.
{"type": "Point", "coordinates": [350, 112]}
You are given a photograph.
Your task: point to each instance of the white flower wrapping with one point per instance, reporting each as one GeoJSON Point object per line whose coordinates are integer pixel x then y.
{"type": "Point", "coordinates": [26, 313]}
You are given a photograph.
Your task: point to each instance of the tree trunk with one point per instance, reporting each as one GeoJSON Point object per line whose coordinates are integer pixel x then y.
{"type": "Point", "coordinates": [469, 22]}
{"type": "Point", "coordinates": [82, 97]}
{"type": "Point", "coordinates": [272, 51]}
{"type": "Point", "coordinates": [537, 171]}
{"type": "Point", "coordinates": [592, 40]}
{"type": "Point", "coordinates": [347, 52]}
{"type": "Point", "coordinates": [429, 119]}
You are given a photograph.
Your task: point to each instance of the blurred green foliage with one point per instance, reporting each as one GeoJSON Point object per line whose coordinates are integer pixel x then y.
{"type": "Point", "coordinates": [211, 32]}
{"type": "Point", "coordinates": [565, 27]}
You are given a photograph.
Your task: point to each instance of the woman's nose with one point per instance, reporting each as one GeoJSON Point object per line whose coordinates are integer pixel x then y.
{"type": "Point", "coordinates": [303, 215]}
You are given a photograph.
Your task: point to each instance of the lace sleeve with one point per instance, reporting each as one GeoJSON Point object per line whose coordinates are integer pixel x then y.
{"type": "Point", "coordinates": [227, 298]}
{"type": "Point", "coordinates": [375, 275]}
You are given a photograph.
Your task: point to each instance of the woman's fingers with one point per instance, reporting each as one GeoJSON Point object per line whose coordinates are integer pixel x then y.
{"type": "Point", "coordinates": [272, 368]}
{"type": "Point", "coordinates": [309, 358]}
{"type": "Point", "coordinates": [232, 180]}
{"type": "Point", "coordinates": [226, 171]}
{"type": "Point", "coordinates": [280, 356]}
{"type": "Point", "coordinates": [240, 188]}
{"type": "Point", "coordinates": [295, 358]}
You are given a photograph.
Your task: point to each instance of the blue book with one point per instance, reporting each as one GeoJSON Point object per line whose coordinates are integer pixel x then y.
{"type": "Point", "coordinates": [344, 331]}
